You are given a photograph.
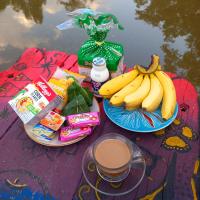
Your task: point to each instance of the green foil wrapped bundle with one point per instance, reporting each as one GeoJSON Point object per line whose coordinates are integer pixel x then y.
{"type": "Point", "coordinates": [97, 27]}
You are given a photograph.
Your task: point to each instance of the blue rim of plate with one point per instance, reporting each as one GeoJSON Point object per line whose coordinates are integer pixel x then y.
{"type": "Point", "coordinates": [143, 122]}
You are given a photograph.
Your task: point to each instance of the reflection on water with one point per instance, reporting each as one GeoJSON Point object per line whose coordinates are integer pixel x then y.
{"type": "Point", "coordinates": [71, 5]}
{"type": "Point", "coordinates": [31, 23]}
{"type": "Point", "coordinates": [168, 28]}
{"type": "Point", "coordinates": [31, 9]}
{"type": "Point", "coordinates": [178, 20]}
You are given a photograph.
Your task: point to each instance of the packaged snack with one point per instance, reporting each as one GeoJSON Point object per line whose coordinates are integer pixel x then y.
{"type": "Point", "coordinates": [60, 87]}
{"type": "Point", "coordinates": [60, 82]}
{"type": "Point", "coordinates": [78, 77]}
{"type": "Point", "coordinates": [43, 133]}
{"type": "Point", "coordinates": [53, 120]}
{"type": "Point", "coordinates": [64, 74]}
{"type": "Point", "coordinates": [33, 102]}
{"type": "Point", "coordinates": [70, 133]}
{"type": "Point", "coordinates": [84, 119]}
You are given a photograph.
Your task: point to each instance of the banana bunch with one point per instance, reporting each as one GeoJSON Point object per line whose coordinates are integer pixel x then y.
{"type": "Point", "coordinates": [146, 88]}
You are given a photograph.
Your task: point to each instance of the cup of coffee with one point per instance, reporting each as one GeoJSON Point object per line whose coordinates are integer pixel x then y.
{"type": "Point", "coordinates": [114, 155]}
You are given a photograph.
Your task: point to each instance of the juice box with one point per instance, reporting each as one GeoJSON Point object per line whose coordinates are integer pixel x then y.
{"type": "Point", "coordinates": [34, 101]}
{"type": "Point", "coordinates": [53, 120]}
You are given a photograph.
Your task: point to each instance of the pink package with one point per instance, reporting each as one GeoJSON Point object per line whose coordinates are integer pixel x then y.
{"type": "Point", "coordinates": [69, 133]}
{"type": "Point", "coordinates": [84, 119]}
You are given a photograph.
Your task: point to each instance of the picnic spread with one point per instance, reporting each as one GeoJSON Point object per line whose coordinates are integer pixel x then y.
{"type": "Point", "coordinates": [87, 126]}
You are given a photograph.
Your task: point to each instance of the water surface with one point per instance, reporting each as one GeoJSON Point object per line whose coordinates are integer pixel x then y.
{"type": "Point", "coordinates": [169, 28]}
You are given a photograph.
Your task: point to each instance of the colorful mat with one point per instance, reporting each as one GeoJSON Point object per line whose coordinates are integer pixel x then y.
{"type": "Point", "coordinates": [29, 170]}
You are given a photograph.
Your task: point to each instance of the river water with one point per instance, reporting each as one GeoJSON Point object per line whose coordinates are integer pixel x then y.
{"type": "Point", "coordinates": [169, 28]}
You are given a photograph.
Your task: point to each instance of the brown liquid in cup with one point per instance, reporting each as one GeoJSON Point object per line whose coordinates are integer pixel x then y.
{"type": "Point", "coordinates": [112, 153]}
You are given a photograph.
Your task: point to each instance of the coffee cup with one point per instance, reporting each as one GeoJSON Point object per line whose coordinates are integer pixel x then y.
{"type": "Point", "coordinates": [114, 155]}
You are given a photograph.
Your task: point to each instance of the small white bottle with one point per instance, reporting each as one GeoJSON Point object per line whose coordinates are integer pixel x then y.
{"type": "Point", "coordinates": [99, 74]}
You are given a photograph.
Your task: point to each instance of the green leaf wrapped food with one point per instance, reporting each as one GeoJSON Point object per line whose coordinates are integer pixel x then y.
{"type": "Point", "coordinates": [79, 100]}
{"type": "Point", "coordinates": [76, 89]}
{"type": "Point", "coordinates": [75, 106]}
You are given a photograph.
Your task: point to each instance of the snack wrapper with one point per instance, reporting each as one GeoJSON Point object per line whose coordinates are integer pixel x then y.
{"type": "Point", "coordinates": [60, 82]}
{"type": "Point", "coordinates": [77, 76]}
{"type": "Point", "coordinates": [70, 133]}
{"type": "Point", "coordinates": [53, 120]}
{"type": "Point", "coordinates": [65, 74]}
{"type": "Point", "coordinates": [84, 119]}
{"type": "Point", "coordinates": [34, 101]}
{"type": "Point", "coordinates": [43, 133]}
{"type": "Point", "coordinates": [60, 87]}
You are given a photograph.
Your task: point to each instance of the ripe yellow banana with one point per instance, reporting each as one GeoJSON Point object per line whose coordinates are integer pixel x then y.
{"type": "Point", "coordinates": [169, 96]}
{"type": "Point", "coordinates": [153, 99]}
{"type": "Point", "coordinates": [107, 97]}
{"type": "Point", "coordinates": [159, 68]}
{"type": "Point", "coordinates": [134, 100]}
{"type": "Point", "coordinates": [118, 98]}
{"type": "Point", "coordinates": [155, 59]}
{"type": "Point", "coordinates": [117, 83]}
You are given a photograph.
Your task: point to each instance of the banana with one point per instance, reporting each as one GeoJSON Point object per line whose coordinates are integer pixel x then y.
{"type": "Point", "coordinates": [117, 83]}
{"type": "Point", "coordinates": [107, 97]}
{"type": "Point", "coordinates": [118, 98]}
{"type": "Point", "coordinates": [134, 100]}
{"type": "Point", "coordinates": [152, 101]}
{"type": "Point", "coordinates": [159, 68]}
{"type": "Point", "coordinates": [169, 96]}
{"type": "Point", "coordinates": [152, 67]}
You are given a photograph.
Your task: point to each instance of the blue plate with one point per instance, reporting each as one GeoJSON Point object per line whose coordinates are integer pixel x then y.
{"type": "Point", "coordinates": [137, 120]}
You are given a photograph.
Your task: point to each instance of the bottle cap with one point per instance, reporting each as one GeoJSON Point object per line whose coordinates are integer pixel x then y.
{"type": "Point", "coordinates": [99, 61]}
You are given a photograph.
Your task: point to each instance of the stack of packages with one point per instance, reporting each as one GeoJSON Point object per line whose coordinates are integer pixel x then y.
{"type": "Point", "coordinates": [97, 26]}
{"type": "Point", "coordinates": [59, 107]}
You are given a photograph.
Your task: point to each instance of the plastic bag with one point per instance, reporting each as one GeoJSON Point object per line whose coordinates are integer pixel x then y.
{"type": "Point", "coordinates": [71, 23]}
